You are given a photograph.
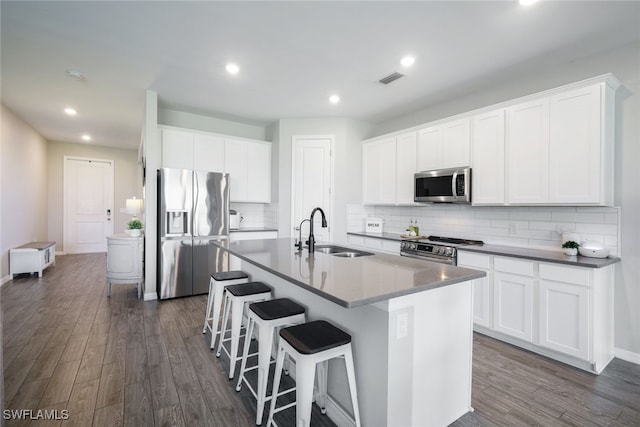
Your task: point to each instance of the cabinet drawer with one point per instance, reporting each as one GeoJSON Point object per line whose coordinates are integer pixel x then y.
{"type": "Point", "coordinates": [474, 260]}
{"type": "Point", "coordinates": [558, 273]}
{"type": "Point", "coordinates": [510, 265]}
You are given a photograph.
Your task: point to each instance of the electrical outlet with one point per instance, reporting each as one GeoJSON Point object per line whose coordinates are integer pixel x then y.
{"type": "Point", "coordinates": [402, 325]}
{"type": "Point", "coordinates": [513, 228]}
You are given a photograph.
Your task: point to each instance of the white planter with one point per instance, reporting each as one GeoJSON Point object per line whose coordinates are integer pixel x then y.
{"type": "Point", "coordinates": [571, 251]}
{"type": "Point", "coordinates": [134, 232]}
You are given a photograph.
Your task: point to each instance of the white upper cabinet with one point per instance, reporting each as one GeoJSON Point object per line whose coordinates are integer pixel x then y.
{"type": "Point", "coordinates": [429, 148]}
{"type": "Point", "coordinates": [551, 148]}
{"type": "Point", "coordinates": [576, 152]}
{"type": "Point", "coordinates": [444, 146]}
{"type": "Point", "coordinates": [388, 165]}
{"type": "Point", "coordinates": [560, 148]}
{"type": "Point", "coordinates": [528, 152]}
{"type": "Point", "coordinates": [487, 158]}
{"type": "Point", "coordinates": [406, 166]}
{"type": "Point", "coordinates": [248, 162]}
{"type": "Point", "coordinates": [177, 149]}
{"type": "Point", "coordinates": [379, 171]}
{"type": "Point", "coordinates": [259, 176]}
{"type": "Point", "coordinates": [208, 153]}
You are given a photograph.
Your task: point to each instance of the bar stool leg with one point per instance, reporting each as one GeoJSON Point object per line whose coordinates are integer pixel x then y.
{"type": "Point", "coordinates": [322, 369]}
{"type": "Point", "coordinates": [351, 375]}
{"type": "Point", "coordinates": [225, 322]}
{"type": "Point", "coordinates": [217, 303]}
{"type": "Point", "coordinates": [276, 384]}
{"type": "Point", "coordinates": [305, 372]}
{"type": "Point", "coordinates": [245, 352]}
{"type": "Point", "coordinates": [208, 317]}
{"type": "Point", "coordinates": [264, 358]}
{"type": "Point", "coordinates": [236, 324]}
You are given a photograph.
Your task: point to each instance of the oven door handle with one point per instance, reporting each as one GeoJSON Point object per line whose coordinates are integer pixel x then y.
{"type": "Point", "coordinates": [440, 260]}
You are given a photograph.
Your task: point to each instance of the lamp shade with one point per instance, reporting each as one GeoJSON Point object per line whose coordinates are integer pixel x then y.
{"type": "Point", "coordinates": [134, 206]}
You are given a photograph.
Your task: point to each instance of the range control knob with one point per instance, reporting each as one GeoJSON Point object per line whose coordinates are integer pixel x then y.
{"type": "Point", "coordinates": [449, 251]}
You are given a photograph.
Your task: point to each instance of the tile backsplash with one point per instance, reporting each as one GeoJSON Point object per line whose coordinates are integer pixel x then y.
{"type": "Point", "coordinates": [257, 214]}
{"type": "Point", "coordinates": [529, 227]}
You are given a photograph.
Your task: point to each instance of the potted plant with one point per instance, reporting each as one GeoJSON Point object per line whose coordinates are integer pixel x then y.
{"type": "Point", "coordinates": [135, 227]}
{"type": "Point", "coordinates": [570, 247]}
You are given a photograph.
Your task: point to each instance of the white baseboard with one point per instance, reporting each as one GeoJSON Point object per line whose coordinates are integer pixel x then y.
{"type": "Point", "coordinates": [337, 414]}
{"type": "Point", "coordinates": [150, 296]}
{"type": "Point", "coordinates": [5, 279]}
{"type": "Point", "coordinates": [627, 355]}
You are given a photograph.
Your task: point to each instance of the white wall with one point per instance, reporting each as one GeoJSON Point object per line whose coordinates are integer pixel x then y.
{"type": "Point", "coordinates": [23, 186]}
{"type": "Point", "coordinates": [210, 124]}
{"type": "Point", "coordinates": [624, 63]}
{"type": "Point", "coordinates": [347, 174]}
{"type": "Point", "coordinates": [127, 176]}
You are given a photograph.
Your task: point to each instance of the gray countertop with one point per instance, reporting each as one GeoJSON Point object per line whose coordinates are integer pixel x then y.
{"type": "Point", "coordinates": [349, 282]}
{"type": "Point", "coordinates": [526, 253]}
{"type": "Point", "coordinates": [540, 255]}
{"type": "Point", "coordinates": [252, 229]}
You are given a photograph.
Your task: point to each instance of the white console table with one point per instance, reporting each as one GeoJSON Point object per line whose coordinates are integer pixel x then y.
{"type": "Point", "coordinates": [124, 261]}
{"type": "Point", "coordinates": [32, 258]}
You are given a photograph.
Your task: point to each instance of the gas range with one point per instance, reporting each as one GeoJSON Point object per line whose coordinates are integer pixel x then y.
{"type": "Point", "coordinates": [435, 248]}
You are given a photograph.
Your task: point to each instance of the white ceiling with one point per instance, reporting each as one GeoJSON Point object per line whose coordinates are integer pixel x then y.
{"type": "Point", "coordinates": [292, 55]}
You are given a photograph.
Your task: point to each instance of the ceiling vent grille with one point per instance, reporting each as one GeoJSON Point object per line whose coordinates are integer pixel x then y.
{"type": "Point", "coordinates": [391, 78]}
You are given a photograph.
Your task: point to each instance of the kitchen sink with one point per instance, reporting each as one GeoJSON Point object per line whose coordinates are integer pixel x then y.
{"type": "Point", "coordinates": [341, 251]}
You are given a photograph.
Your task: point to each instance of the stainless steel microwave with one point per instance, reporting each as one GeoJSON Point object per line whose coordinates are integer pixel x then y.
{"type": "Point", "coordinates": [443, 186]}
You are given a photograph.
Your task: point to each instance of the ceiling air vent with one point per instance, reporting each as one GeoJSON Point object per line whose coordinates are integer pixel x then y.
{"type": "Point", "coordinates": [390, 78]}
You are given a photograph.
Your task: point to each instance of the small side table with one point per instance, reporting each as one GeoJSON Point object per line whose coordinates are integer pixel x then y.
{"type": "Point", "coordinates": [32, 258]}
{"type": "Point", "coordinates": [124, 261]}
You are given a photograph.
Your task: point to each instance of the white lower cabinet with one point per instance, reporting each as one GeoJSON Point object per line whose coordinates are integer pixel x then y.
{"type": "Point", "coordinates": [513, 297]}
{"type": "Point", "coordinates": [564, 319]}
{"type": "Point", "coordinates": [391, 247]}
{"type": "Point", "coordinates": [482, 287]}
{"type": "Point", "coordinates": [563, 312]}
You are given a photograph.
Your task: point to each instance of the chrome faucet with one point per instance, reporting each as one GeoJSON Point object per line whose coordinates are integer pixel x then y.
{"type": "Point", "coordinates": [312, 240]}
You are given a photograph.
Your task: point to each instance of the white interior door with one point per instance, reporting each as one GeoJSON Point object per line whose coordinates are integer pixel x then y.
{"type": "Point", "coordinates": [88, 201]}
{"type": "Point", "coordinates": [311, 184]}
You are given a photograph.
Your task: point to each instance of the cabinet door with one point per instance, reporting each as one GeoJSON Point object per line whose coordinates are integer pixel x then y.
{"type": "Point", "coordinates": [370, 173]}
{"type": "Point", "coordinates": [405, 166]}
{"type": "Point", "coordinates": [487, 159]}
{"type": "Point", "coordinates": [208, 153]}
{"type": "Point", "coordinates": [482, 288]}
{"type": "Point", "coordinates": [387, 166]}
{"type": "Point", "coordinates": [564, 318]}
{"type": "Point", "coordinates": [259, 172]}
{"type": "Point", "coordinates": [574, 146]}
{"type": "Point", "coordinates": [235, 164]}
{"type": "Point", "coordinates": [177, 149]}
{"type": "Point", "coordinates": [528, 152]}
{"type": "Point", "coordinates": [513, 305]}
{"type": "Point", "coordinates": [455, 143]}
{"type": "Point", "coordinates": [429, 150]}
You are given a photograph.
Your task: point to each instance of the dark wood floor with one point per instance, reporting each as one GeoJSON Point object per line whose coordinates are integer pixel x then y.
{"type": "Point", "coordinates": [121, 361]}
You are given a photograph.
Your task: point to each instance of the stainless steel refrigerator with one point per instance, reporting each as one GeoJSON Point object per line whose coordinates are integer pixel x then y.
{"type": "Point", "coordinates": [193, 210]}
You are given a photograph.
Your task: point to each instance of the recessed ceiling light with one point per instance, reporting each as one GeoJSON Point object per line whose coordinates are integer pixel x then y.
{"type": "Point", "coordinates": [76, 75]}
{"type": "Point", "coordinates": [86, 137]}
{"type": "Point", "coordinates": [232, 68]}
{"type": "Point", "coordinates": [70, 111]}
{"type": "Point", "coordinates": [407, 61]}
{"type": "Point", "coordinates": [527, 2]}
{"type": "Point", "coordinates": [334, 99]}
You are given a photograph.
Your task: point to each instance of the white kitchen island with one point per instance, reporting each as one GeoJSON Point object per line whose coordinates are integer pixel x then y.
{"type": "Point", "coordinates": [410, 322]}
